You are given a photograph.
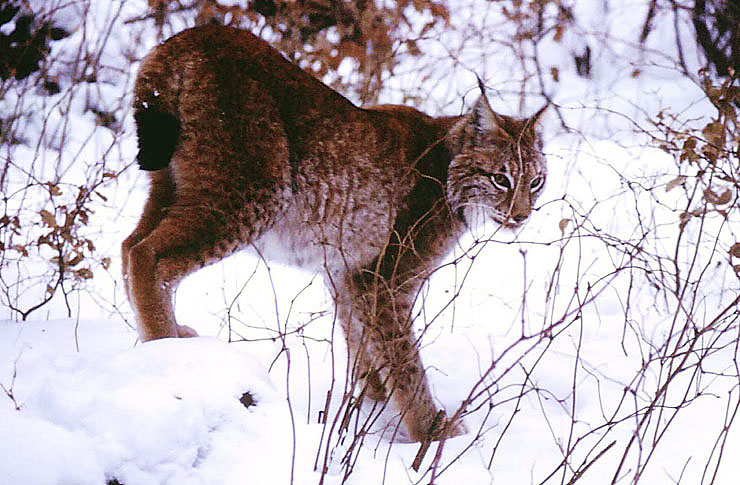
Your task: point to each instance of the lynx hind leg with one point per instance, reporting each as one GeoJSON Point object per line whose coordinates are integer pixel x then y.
{"type": "Point", "coordinates": [212, 216]}
{"type": "Point", "coordinates": [188, 238]}
{"type": "Point", "coordinates": [231, 170]}
{"type": "Point", "coordinates": [161, 194]}
{"type": "Point", "coordinates": [156, 264]}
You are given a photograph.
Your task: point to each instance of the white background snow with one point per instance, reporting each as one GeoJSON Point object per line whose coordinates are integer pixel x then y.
{"type": "Point", "coordinates": [85, 403]}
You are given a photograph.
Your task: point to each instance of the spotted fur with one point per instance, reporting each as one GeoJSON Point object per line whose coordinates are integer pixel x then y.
{"type": "Point", "coordinates": [246, 150]}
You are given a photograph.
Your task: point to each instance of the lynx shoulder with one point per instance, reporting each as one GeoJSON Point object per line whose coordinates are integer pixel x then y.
{"type": "Point", "coordinates": [245, 149]}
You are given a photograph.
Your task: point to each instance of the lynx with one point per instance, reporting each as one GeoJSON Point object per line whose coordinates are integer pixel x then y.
{"type": "Point", "coordinates": [245, 149]}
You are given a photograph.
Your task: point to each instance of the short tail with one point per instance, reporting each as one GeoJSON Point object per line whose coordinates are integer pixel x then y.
{"type": "Point", "coordinates": [158, 134]}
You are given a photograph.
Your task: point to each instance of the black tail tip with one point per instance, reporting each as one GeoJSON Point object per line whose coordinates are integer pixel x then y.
{"type": "Point", "coordinates": [158, 135]}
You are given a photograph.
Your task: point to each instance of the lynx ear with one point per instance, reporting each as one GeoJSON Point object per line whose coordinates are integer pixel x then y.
{"type": "Point", "coordinates": [534, 120]}
{"type": "Point", "coordinates": [483, 118]}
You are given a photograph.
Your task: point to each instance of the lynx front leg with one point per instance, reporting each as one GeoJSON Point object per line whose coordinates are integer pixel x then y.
{"type": "Point", "coordinates": [385, 353]}
{"type": "Point", "coordinates": [363, 368]}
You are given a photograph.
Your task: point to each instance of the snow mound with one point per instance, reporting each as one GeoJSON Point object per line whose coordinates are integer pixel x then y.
{"type": "Point", "coordinates": [165, 412]}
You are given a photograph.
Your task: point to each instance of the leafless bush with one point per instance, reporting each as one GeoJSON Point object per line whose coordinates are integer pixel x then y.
{"type": "Point", "coordinates": [634, 254]}
{"type": "Point", "coordinates": [57, 166]}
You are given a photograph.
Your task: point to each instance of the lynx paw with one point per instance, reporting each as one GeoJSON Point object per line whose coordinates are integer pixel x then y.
{"type": "Point", "coordinates": [453, 428]}
{"type": "Point", "coordinates": [185, 331]}
{"type": "Point", "coordinates": [440, 429]}
{"type": "Point", "coordinates": [443, 427]}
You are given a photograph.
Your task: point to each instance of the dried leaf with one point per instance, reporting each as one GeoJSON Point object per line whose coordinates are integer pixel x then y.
{"type": "Point", "coordinates": [688, 151]}
{"type": "Point", "coordinates": [74, 260]}
{"type": "Point", "coordinates": [106, 263]}
{"type": "Point", "coordinates": [721, 199]}
{"type": "Point", "coordinates": [413, 47]}
{"type": "Point", "coordinates": [81, 195]}
{"type": "Point", "coordinates": [558, 33]}
{"type": "Point", "coordinates": [713, 132]}
{"type": "Point", "coordinates": [21, 249]}
{"type": "Point", "coordinates": [84, 274]}
{"type": "Point", "coordinates": [563, 224]}
{"type": "Point", "coordinates": [683, 219]}
{"type": "Point", "coordinates": [48, 218]}
{"type": "Point", "coordinates": [54, 189]}
{"type": "Point", "coordinates": [439, 10]}
{"type": "Point", "coordinates": [735, 250]}
{"type": "Point", "coordinates": [555, 73]}
{"type": "Point", "coordinates": [711, 153]}
{"type": "Point", "coordinates": [675, 183]}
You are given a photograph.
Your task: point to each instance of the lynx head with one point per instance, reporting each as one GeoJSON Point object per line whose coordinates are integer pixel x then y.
{"type": "Point", "coordinates": [498, 170]}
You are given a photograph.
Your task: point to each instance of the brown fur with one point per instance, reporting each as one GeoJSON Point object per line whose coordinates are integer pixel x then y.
{"type": "Point", "coordinates": [246, 149]}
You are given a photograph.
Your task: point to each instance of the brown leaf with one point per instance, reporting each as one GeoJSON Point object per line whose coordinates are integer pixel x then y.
{"type": "Point", "coordinates": [735, 250]}
{"type": "Point", "coordinates": [439, 10]}
{"type": "Point", "coordinates": [683, 219]}
{"type": "Point", "coordinates": [54, 189]}
{"type": "Point", "coordinates": [84, 274]}
{"type": "Point", "coordinates": [562, 225]}
{"type": "Point", "coordinates": [675, 183]}
{"type": "Point", "coordinates": [413, 47]}
{"type": "Point", "coordinates": [688, 151]}
{"type": "Point", "coordinates": [21, 249]}
{"type": "Point", "coordinates": [74, 260]}
{"type": "Point", "coordinates": [48, 218]}
{"type": "Point", "coordinates": [555, 73]}
{"type": "Point", "coordinates": [713, 132]}
{"type": "Point", "coordinates": [558, 33]}
{"type": "Point", "coordinates": [721, 199]}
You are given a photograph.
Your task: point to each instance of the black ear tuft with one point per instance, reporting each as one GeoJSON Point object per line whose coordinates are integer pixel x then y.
{"type": "Point", "coordinates": [483, 118]}
{"type": "Point", "coordinates": [535, 118]}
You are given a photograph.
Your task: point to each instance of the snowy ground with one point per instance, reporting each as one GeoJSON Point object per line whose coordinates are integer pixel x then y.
{"type": "Point", "coordinates": [84, 403]}
{"type": "Point", "coordinates": [89, 406]}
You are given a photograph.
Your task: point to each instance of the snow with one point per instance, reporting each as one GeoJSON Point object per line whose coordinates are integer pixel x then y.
{"type": "Point", "coordinates": [164, 412]}
{"type": "Point", "coordinates": [84, 402]}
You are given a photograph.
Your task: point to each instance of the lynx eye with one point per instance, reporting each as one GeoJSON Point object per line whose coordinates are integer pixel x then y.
{"type": "Point", "coordinates": [502, 181]}
{"type": "Point", "coordinates": [536, 183]}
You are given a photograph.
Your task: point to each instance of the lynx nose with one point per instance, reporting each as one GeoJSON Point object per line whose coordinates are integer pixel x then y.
{"type": "Point", "coordinates": [520, 209]}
